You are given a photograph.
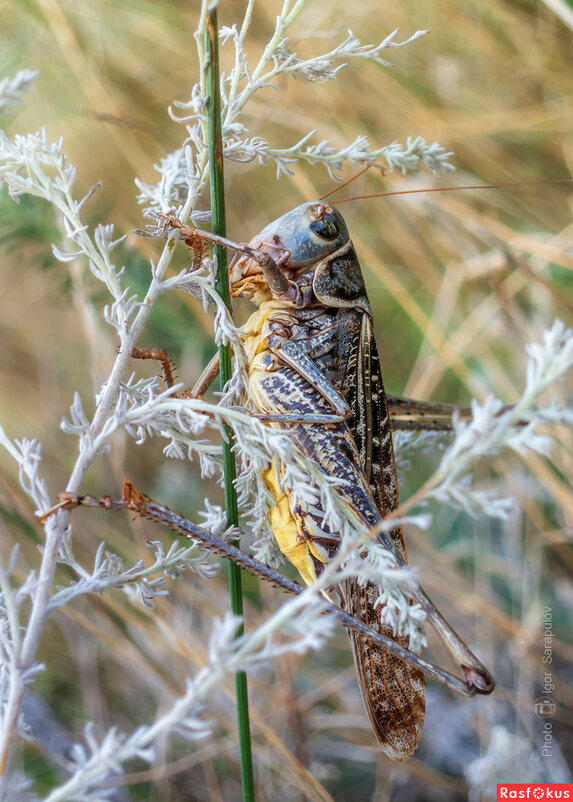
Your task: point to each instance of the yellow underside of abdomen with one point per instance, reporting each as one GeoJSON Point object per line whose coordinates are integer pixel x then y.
{"type": "Point", "coordinates": [287, 526]}
{"type": "Point", "coordinates": [288, 531]}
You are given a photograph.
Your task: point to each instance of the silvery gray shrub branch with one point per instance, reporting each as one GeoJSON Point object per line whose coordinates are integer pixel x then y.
{"type": "Point", "coordinates": [185, 169]}
{"type": "Point", "coordinates": [492, 428]}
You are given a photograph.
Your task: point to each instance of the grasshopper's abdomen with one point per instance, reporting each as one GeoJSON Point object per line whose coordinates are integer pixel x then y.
{"type": "Point", "coordinates": [392, 690]}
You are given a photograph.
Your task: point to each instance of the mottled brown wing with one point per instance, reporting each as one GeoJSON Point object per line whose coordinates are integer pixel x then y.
{"type": "Point", "coordinates": [363, 389]}
{"type": "Point", "coordinates": [392, 690]}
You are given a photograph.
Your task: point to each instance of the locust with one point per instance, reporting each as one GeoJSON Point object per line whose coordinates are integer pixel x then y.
{"type": "Point", "coordinates": [314, 369]}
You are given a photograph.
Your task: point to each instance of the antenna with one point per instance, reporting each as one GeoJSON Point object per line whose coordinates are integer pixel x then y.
{"type": "Point", "coordinates": [455, 189]}
{"type": "Point", "coordinates": [349, 181]}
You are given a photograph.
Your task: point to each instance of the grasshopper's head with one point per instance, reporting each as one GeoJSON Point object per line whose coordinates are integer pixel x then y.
{"type": "Point", "coordinates": [296, 242]}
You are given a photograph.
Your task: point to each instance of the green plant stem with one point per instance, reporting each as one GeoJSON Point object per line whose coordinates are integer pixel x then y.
{"type": "Point", "coordinates": [215, 144]}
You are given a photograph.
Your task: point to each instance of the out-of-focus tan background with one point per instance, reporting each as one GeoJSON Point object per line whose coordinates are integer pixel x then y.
{"type": "Point", "coordinates": [459, 283]}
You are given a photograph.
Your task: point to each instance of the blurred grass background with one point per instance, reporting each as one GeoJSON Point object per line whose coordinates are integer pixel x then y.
{"type": "Point", "coordinates": [459, 282]}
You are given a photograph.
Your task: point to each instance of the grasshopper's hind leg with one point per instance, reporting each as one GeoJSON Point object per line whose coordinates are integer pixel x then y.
{"type": "Point", "coordinates": [410, 414]}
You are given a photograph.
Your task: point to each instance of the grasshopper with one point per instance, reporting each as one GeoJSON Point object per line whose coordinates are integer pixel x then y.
{"type": "Point", "coordinates": [313, 368]}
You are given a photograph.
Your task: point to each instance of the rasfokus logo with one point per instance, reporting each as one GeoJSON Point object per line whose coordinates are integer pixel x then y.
{"type": "Point", "coordinates": [534, 791]}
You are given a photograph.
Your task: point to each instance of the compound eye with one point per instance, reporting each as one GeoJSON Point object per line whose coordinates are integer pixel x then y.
{"type": "Point", "coordinates": [325, 228]}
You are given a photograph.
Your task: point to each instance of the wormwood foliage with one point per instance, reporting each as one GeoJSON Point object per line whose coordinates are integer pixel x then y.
{"type": "Point", "coordinates": [32, 164]}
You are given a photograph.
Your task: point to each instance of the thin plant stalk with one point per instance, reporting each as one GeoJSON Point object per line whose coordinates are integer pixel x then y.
{"type": "Point", "coordinates": [216, 183]}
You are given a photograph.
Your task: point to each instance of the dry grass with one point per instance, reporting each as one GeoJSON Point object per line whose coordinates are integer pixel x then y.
{"type": "Point", "coordinates": [459, 283]}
